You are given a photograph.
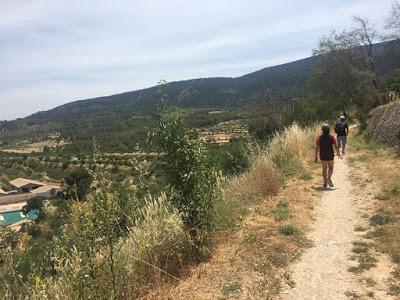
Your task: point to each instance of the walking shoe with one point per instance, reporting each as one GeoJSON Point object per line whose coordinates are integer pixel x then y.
{"type": "Point", "coordinates": [325, 185]}
{"type": "Point", "coordinates": [330, 183]}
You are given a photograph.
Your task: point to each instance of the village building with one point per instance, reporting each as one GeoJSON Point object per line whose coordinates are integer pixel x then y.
{"type": "Point", "coordinates": [23, 185]}
{"type": "Point", "coordinates": [44, 191]}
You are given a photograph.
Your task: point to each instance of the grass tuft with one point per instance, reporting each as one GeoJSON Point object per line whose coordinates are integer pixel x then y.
{"type": "Point", "coordinates": [289, 230]}
{"type": "Point", "coordinates": [281, 211]}
{"type": "Point", "coordinates": [231, 287]}
{"type": "Point", "coordinates": [380, 219]}
{"type": "Point", "coordinates": [250, 238]}
{"type": "Point", "coordinates": [360, 228]}
{"type": "Point", "coordinates": [305, 175]}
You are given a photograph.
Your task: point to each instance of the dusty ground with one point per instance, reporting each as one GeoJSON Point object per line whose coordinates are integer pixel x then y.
{"type": "Point", "coordinates": [323, 271]}
{"type": "Point", "coordinates": [333, 257]}
{"type": "Point", "coordinates": [249, 263]}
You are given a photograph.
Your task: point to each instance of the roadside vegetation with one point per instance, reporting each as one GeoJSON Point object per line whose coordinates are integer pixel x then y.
{"type": "Point", "coordinates": [139, 224]}
{"type": "Point", "coordinates": [382, 165]}
{"type": "Point", "coordinates": [260, 225]}
{"type": "Point", "coordinates": [118, 241]}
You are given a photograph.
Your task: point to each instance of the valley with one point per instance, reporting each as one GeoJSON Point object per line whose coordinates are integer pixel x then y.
{"type": "Point", "coordinates": [203, 188]}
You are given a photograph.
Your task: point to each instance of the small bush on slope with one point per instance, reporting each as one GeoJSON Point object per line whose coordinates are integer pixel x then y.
{"type": "Point", "coordinates": [193, 184]}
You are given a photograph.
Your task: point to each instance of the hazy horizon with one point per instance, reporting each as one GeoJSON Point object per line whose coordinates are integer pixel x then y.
{"type": "Point", "coordinates": [55, 52]}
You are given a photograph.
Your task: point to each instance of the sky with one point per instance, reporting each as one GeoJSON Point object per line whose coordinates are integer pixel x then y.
{"type": "Point", "coordinates": [53, 52]}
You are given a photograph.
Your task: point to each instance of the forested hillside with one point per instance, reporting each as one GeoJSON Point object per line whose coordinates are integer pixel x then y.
{"type": "Point", "coordinates": [127, 116]}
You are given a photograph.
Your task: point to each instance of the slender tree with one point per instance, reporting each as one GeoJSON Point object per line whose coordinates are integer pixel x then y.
{"type": "Point", "coordinates": [393, 22]}
{"type": "Point", "coordinates": [345, 72]}
{"type": "Point", "coordinates": [364, 36]}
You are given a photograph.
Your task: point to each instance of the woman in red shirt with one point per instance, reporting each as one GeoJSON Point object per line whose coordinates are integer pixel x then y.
{"type": "Point", "coordinates": [325, 145]}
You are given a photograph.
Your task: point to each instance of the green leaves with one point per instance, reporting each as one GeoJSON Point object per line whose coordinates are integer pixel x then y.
{"type": "Point", "coordinates": [192, 182]}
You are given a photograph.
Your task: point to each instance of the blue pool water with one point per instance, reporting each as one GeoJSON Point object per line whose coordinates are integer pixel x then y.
{"type": "Point", "coordinates": [11, 217]}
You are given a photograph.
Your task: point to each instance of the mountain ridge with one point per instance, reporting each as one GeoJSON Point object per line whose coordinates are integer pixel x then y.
{"type": "Point", "coordinates": [272, 77]}
{"type": "Point", "coordinates": [82, 119]}
{"type": "Point", "coordinates": [225, 83]}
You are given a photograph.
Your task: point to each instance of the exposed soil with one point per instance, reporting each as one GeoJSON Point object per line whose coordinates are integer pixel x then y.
{"type": "Point", "coordinates": [323, 270]}
{"type": "Point", "coordinates": [249, 263]}
{"type": "Point", "coordinates": [341, 263]}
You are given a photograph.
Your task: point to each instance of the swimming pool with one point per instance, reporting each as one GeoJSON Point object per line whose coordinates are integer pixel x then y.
{"type": "Point", "coordinates": [11, 217]}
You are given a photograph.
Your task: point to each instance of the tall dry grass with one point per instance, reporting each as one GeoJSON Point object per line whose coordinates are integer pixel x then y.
{"type": "Point", "coordinates": [158, 244]}
{"type": "Point", "coordinates": [154, 249]}
{"type": "Point", "coordinates": [285, 155]}
{"type": "Point", "coordinates": [288, 150]}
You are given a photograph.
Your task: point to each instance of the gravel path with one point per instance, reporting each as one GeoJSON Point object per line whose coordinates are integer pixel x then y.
{"type": "Point", "coordinates": [322, 272]}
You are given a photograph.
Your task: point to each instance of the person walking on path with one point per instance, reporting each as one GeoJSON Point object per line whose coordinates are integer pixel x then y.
{"type": "Point", "coordinates": [325, 145]}
{"type": "Point", "coordinates": [342, 130]}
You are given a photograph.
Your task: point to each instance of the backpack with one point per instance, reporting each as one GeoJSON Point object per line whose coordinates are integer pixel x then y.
{"type": "Point", "coordinates": [340, 128]}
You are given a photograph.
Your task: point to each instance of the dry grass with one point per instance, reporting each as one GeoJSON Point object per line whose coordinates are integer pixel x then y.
{"type": "Point", "coordinates": [263, 180]}
{"type": "Point", "coordinates": [152, 252]}
{"type": "Point", "coordinates": [251, 255]}
{"type": "Point", "coordinates": [382, 165]}
{"type": "Point", "coordinates": [255, 257]}
{"type": "Point", "coordinates": [29, 147]}
{"type": "Point", "coordinates": [155, 248]}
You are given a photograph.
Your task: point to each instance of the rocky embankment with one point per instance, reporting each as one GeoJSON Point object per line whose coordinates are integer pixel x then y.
{"type": "Point", "coordinates": [384, 124]}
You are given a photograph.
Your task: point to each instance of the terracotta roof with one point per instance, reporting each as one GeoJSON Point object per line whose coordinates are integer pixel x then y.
{"type": "Point", "coordinates": [20, 182]}
{"type": "Point", "coordinates": [42, 189]}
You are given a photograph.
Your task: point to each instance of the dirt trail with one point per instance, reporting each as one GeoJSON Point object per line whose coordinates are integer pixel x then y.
{"type": "Point", "coordinates": [322, 272]}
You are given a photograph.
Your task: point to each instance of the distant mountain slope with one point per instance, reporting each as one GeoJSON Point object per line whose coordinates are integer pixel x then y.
{"type": "Point", "coordinates": [116, 112]}
{"type": "Point", "coordinates": [286, 80]}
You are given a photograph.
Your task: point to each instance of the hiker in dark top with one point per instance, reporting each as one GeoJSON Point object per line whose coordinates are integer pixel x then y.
{"type": "Point", "coordinates": [342, 130]}
{"type": "Point", "coordinates": [325, 145]}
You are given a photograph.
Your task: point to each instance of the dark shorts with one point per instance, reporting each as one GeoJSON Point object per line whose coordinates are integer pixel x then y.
{"type": "Point", "coordinates": [326, 156]}
{"type": "Point", "coordinates": [327, 159]}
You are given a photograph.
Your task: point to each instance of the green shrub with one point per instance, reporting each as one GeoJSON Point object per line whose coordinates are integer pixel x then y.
{"type": "Point", "coordinates": [35, 204]}
{"type": "Point", "coordinates": [8, 241]}
{"type": "Point", "coordinates": [289, 230]}
{"type": "Point", "coordinates": [231, 287]}
{"type": "Point", "coordinates": [380, 220]}
{"type": "Point", "coordinates": [33, 230]}
{"type": "Point", "coordinates": [78, 184]}
{"type": "Point", "coordinates": [193, 182]}
{"type": "Point", "coordinates": [230, 158]}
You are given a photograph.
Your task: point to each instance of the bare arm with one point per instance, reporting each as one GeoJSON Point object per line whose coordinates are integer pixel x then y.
{"type": "Point", "coordinates": [337, 150]}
